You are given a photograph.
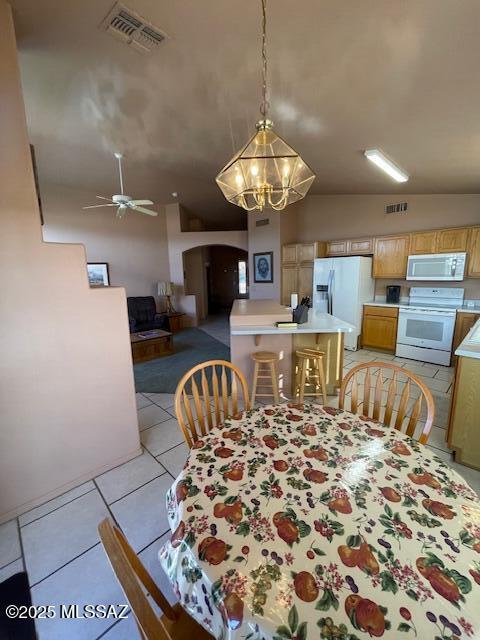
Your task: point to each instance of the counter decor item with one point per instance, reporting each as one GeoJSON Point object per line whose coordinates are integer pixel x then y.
{"type": "Point", "coordinates": [293, 521]}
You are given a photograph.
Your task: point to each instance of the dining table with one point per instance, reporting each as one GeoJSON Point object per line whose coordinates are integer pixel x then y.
{"type": "Point", "coordinates": [294, 522]}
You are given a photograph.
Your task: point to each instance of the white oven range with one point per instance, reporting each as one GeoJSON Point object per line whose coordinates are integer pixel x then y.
{"type": "Point", "coordinates": [426, 325]}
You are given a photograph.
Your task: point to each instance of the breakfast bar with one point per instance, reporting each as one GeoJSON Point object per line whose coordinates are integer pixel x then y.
{"type": "Point", "coordinates": [252, 328]}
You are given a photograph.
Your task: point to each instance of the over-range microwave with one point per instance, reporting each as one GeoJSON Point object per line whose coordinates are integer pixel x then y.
{"type": "Point", "coordinates": [436, 266]}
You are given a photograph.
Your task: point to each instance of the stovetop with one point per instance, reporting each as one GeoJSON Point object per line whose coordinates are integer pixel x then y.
{"type": "Point", "coordinates": [435, 298]}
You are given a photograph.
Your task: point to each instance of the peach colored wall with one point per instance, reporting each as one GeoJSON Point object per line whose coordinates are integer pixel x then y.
{"type": "Point", "coordinates": [180, 241]}
{"type": "Point", "coordinates": [135, 246]}
{"type": "Point", "coordinates": [263, 239]}
{"type": "Point", "coordinates": [67, 402]}
{"type": "Point", "coordinates": [353, 216]}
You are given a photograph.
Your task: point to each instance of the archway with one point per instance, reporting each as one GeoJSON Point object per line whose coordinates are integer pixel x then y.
{"type": "Point", "coordinates": [216, 275]}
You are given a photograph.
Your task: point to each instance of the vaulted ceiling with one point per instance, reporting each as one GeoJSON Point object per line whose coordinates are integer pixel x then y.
{"type": "Point", "coordinates": [345, 75]}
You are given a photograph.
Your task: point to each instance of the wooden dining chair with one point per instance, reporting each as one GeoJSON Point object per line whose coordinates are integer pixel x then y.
{"type": "Point", "coordinates": [136, 582]}
{"type": "Point", "coordinates": [205, 397]}
{"type": "Point", "coordinates": [391, 383]}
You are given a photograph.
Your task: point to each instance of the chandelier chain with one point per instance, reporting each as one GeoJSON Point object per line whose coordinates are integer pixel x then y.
{"type": "Point", "coordinates": [265, 104]}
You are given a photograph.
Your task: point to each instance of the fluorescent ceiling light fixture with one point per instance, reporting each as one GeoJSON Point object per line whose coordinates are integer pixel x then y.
{"type": "Point", "coordinates": [385, 164]}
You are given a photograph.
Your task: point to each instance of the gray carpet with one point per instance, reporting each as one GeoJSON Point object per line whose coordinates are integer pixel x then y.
{"type": "Point", "coordinates": [191, 346]}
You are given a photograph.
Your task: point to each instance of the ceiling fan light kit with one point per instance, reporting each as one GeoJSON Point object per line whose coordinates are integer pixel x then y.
{"type": "Point", "coordinates": [267, 172]}
{"type": "Point", "coordinates": [122, 201]}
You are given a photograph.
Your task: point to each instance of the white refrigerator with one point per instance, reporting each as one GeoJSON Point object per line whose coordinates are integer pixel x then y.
{"type": "Point", "coordinates": [340, 287]}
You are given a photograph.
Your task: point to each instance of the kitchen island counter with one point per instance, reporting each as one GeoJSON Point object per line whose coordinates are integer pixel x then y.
{"type": "Point", "coordinates": [252, 328]}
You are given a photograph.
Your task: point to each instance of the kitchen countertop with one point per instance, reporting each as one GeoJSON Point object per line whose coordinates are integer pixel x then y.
{"type": "Point", "coordinates": [258, 317]}
{"type": "Point", "coordinates": [470, 345]}
{"type": "Point", "coordinates": [463, 309]}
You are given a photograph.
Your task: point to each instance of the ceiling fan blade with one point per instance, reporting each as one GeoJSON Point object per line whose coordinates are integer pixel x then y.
{"type": "Point", "coordinates": [143, 210]}
{"type": "Point", "coordinates": [95, 206]}
{"type": "Point", "coordinates": [102, 198]}
{"type": "Point", "coordinates": [141, 202]}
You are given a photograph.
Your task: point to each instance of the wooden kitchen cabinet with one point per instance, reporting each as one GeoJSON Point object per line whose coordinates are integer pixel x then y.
{"type": "Point", "coordinates": [424, 242]}
{"type": "Point", "coordinates": [452, 240]}
{"type": "Point", "coordinates": [307, 252]}
{"type": "Point", "coordinates": [305, 281]}
{"type": "Point", "coordinates": [337, 248]}
{"type": "Point", "coordinates": [297, 268]}
{"type": "Point", "coordinates": [379, 328]}
{"type": "Point", "coordinates": [362, 246]}
{"type": "Point", "coordinates": [473, 270]}
{"type": "Point", "coordinates": [289, 282]}
{"type": "Point", "coordinates": [390, 255]}
{"type": "Point", "coordinates": [463, 324]}
{"type": "Point", "coordinates": [289, 253]}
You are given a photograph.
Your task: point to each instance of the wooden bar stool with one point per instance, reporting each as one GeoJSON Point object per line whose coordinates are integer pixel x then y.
{"type": "Point", "coordinates": [309, 372]}
{"type": "Point", "coordinates": [265, 370]}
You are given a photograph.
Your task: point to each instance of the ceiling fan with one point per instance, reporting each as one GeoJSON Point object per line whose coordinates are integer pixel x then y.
{"type": "Point", "coordinates": [122, 201]}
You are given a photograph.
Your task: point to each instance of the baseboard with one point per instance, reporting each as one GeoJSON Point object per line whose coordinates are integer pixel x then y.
{"type": "Point", "coordinates": [27, 506]}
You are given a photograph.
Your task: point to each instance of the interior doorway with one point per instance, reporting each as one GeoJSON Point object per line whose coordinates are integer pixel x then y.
{"type": "Point", "coordinates": [216, 275]}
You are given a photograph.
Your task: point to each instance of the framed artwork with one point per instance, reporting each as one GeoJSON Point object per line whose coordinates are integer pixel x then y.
{"type": "Point", "coordinates": [98, 274]}
{"type": "Point", "coordinates": [263, 267]}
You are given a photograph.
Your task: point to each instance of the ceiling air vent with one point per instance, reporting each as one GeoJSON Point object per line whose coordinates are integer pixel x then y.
{"type": "Point", "coordinates": [262, 223]}
{"type": "Point", "coordinates": [399, 207]}
{"type": "Point", "coordinates": [127, 26]}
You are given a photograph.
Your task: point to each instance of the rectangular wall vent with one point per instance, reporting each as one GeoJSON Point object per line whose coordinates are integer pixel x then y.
{"type": "Point", "coordinates": [262, 223]}
{"type": "Point", "coordinates": [127, 26]}
{"type": "Point", "coordinates": [399, 207]}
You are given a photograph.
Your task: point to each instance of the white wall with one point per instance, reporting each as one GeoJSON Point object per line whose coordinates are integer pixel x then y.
{"type": "Point", "coordinates": [67, 398]}
{"type": "Point", "coordinates": [135, 246]}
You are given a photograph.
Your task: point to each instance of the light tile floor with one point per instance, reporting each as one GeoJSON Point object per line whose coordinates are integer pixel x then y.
{"type": "Point", "coordinates": [58, 545]}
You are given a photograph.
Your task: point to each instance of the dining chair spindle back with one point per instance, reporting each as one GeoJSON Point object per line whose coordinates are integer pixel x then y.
{"type": "Point", "coordinates": [206, 395]}
{"type": "Point", "coordinates": [401, 398]}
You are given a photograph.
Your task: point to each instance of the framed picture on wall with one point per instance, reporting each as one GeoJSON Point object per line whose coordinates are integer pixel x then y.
{"type": "Point", "coordinates": [98, 274]}
{"type": "Point", "coordinates": [263, 267]}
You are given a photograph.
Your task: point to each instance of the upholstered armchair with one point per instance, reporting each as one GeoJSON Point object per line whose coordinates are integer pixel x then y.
{"type": "Point", "coordinates": [142, 314]}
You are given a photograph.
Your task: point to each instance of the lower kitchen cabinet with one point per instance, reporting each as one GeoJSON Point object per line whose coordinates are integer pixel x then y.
{"type": "Point", "coordinates": [463, 434]}
{"type": "Point", "coordinates": [463, 324]}
{"type": "Point", "coordinates": [379, 328]}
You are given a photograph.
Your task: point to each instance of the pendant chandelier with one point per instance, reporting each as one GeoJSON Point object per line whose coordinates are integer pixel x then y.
{"type": "Point", "coordinates": [267, 172]}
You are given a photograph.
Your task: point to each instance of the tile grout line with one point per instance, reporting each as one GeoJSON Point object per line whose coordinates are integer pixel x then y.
{"type": "Point", "coordinates": [22, 526]}
{"type": "Point", "coordinates": [35, 584]}
{"type": "Point", "coordinates": [141, 485]}
{"type": "Point", "coordinates": [158, 461]}
{"type": "Point", "coordinates": [21, 547]}
{"type": "Point", "coordinates": [16, 559]}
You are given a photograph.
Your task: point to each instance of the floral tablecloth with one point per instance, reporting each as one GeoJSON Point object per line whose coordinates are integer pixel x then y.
{"type": "Point", "coordinates": [296, 522]}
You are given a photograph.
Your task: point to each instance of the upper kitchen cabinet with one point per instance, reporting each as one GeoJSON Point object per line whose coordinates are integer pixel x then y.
{"type": "Point", "coordinates": [363, 246]}
{"type": "Point", "coordinates": [424, 242]}
{"type": "Point", "coordinates": [474, 253]}
{"type": "Point", "coordinates": [289, 253]}
{"type": "Point", "coordinates": [297, 268]}
{"type": "Point", "coordinates": [308, 251]}
{"type": "Point", "coordinates": [337, 248]}
{"type": "Point", "coordinates": [390, 255]}
{"type": "Point", "coordinates": [452, 240]}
